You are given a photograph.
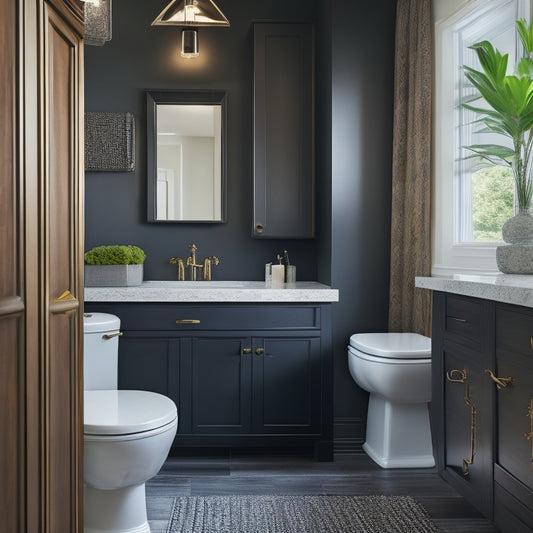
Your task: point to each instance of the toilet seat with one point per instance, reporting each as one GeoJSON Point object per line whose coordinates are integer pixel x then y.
{"type": "Point", "coordinates": [120, 413]}
{"type": "Point", "coordinates": [404, 346]}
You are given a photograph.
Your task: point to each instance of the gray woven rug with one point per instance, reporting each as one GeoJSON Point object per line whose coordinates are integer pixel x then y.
{"type": "Point", "coordinates": [299, 514]}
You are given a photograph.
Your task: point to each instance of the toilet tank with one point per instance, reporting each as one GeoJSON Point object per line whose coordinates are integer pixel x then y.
{"type": "Point", "coordinates": [100, 351]}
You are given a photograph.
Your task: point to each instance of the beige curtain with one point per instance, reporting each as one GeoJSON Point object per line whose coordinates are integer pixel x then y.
{"type": "Point", "coordinates": [410, 308]}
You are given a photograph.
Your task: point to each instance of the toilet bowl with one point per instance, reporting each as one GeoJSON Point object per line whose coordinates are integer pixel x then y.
{"type": "Point", "coordinates": [395, 368]}
{"type": "Point", "coordinates": [127, 436]}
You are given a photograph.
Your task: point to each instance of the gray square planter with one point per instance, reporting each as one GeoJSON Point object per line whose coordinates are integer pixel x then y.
{"type": "Point", "coordinates": [113, 275]}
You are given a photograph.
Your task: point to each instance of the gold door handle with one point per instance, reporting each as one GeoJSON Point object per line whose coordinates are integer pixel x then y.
{"type": "Point", "coordinates": [501, 383]}
{"type": "Point", "coordinates": [455, 372]}
{"type": "Point", "coordinates": [66, 296]}
{"type": "Point", "coordinates": [259, 351]}
{"type": "Point", "coordinates": [473, 427]}
{"type": "Point", "coordinates": [458, 319]}
{"type": "Point", "coordinates": [246, 351]}
{"type": "Point", "coordinates": [187, 321]}
{"type": "Point", "coordinates": [109, 336]}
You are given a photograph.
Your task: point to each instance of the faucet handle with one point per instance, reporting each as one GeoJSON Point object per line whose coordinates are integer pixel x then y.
{"type": "Point", "coordinates": [193, 247]}
{"type": "Point", "coordinates": [215, 260]}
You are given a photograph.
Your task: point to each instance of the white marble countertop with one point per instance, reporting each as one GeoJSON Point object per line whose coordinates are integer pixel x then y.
{"type": "Point", "coordinates": [507, 288]}
{"type": "Point", "coordinates": [214, 291]}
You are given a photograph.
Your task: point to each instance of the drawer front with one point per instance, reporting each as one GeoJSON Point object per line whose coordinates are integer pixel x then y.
{"type": "Point", "coordinates": [463, 319]}
{"type": "Point", "coordinates": [514, 330]}
{"type": "Point", "coordinates": [195, 317]}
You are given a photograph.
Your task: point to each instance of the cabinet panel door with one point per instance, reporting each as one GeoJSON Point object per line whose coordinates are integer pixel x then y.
{"type": "Point", "coordinates": [283, 130]}
{"type": "Point", "coordinates": [287, 385]}
{"type": "Point", "coordinates": [62, 256]}
{"type": "Point", "coordinates": [220, 385]}
{"type": "Point", "coordinates": [149, 363]}
{"type": "Point", "coordinates": [515, 416]}
{"type": "Point", "coordinates": [468, 425]}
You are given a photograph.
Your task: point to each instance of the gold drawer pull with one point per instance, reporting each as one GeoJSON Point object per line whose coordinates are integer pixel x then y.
{"type": "Point", "coordinates": [501, 383]}
{"type": "Point", "coordinates": [187, 321]}
{"type": "Point", "coordinates": [259, 351]}
{"type": "Point", "coordinates": [246, 351]}
{"type": "Point", "coordinates": [458, 319]}
{"type": "Point", "coordinates": [109, 336]}
{"type": "Point", "coordinates": [460, 379]}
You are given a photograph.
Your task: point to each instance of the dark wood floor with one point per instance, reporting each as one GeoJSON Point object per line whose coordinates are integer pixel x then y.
{"type": "Point", "coordinates": [348, 475]}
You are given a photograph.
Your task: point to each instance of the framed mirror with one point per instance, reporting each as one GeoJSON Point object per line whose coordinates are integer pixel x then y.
{"type": "Point", "coordinates": [186, 156]}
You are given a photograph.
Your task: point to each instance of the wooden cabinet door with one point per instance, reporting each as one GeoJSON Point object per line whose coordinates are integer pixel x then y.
{"type": "Point", "coordinates": [287, 385]}
{"type": "Point", "coordinates": [60, 227]}
{"type": "Point", "coordinates": [12, 297]}
{"type": "Point", "coordinates": [220, 384]}
{"type": "Point", "coordinates": [284, 165]}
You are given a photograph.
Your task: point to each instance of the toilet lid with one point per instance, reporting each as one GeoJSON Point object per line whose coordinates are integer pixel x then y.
{"type": "Point", "coordinates": [393, 345]}
{"type": "Point", "coordinates": [121, 412]}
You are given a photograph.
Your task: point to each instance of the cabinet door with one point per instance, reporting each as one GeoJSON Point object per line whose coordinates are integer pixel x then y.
{"type": "Point", "coordinates": [149, 363]}
{"type": "Point", "coordinates": [283, 131]}
{"type": "Point", "coordinates": [220, 384]}
{"type": "Point", "coordinates": [287, 385]}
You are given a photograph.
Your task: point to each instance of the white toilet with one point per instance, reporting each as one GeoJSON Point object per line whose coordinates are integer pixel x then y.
{"type": "Point", "coordinates": [127, 435]}
{"type": "Point", "coordinates": [395, 368]}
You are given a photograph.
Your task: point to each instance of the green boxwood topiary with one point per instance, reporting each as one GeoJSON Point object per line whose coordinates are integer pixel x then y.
{"type": "Point", "coordinates": [115, 255]}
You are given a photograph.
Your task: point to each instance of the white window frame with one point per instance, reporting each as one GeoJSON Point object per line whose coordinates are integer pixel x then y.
{"type": "Point", "coordinates": [449, 256]}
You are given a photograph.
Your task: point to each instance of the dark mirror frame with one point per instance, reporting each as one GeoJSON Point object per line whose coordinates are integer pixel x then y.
{"type": "Point", "coordinates": [182, 98]}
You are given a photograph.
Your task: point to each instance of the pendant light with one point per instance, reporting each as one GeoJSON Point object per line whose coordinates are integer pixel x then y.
{"type": "Point", "coordinates": [190, 14]}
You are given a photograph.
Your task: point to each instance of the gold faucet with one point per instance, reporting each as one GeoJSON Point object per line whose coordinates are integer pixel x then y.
{"type": "Point", "coordinates": [193, 266]}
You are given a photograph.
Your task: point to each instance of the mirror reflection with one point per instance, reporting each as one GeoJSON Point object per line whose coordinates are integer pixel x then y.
{"type": "Point", "coordinates": [185, 162]}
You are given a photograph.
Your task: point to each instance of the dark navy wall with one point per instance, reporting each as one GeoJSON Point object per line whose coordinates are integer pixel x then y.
{"type": "Point", "coordinates": [141, 57]}
{"type": "Point", "coordinates": [362, 66]}
{"type": "Point", "coordinates": [355, 46]}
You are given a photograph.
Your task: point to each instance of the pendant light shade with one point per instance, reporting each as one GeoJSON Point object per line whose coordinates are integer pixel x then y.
{"type": "Point", "coordinates": [191, 13]}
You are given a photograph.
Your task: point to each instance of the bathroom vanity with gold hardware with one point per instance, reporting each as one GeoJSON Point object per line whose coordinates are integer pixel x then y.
{"type": "Point", "coordinates": [482, 408]}
{"type": "Point", "coordinates": [247, 366]}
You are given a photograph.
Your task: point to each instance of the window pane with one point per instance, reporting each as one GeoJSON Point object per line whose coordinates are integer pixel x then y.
{"type": "Point", "coordinates": [492, 202]}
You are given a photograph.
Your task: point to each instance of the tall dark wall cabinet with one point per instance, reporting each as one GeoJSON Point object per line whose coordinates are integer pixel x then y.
{"type": "Point", "coordinates": [41, 285]}
{"type": "Point", "coordinates": [482, 410]}
{"type": "Point", "coordinates": [284, 166]}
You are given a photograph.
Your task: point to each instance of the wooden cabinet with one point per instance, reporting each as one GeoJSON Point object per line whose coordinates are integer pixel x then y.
{"type": "Point", "coordinates": [41, 272]}
{"type": "Point", "coordinates": [284, 165]}
{"type": "Point", "coordinates": [482, 410]}
{"type": "Point", "coordinates": [243, 375]}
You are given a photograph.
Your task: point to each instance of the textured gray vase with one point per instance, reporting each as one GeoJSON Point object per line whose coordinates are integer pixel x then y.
{"type": "Point", "coordinates": [517, 256]}
{"type": "Point", "coordinates": [113, 275]}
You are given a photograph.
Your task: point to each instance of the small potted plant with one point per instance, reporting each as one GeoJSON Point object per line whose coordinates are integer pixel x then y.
{"type": "Point", "coordinates": [510, 114]}
{"type": "Point", "coordinates": [114, 266]}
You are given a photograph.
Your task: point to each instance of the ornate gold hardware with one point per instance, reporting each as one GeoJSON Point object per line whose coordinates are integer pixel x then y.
{"type": "Point", "coordinates": [461, 379]}
{"type": "Point", "coordinates": [193, 268]}
{"type": "Point", "coordinates": [473, 425]}
{"type": "Point", "coordinates": [181, 267]}
{"type": "Point", "coordinates": [529, 436]}
{"type": "Point", "coordinates": [259, 351]}
{"type": "Point", "coordinates": [458, 319]}
{"type": "Point", "coordinates": [460, 376]}
{"type": "Point", "coordinates": [259, 228]}
{"type": "Point", "coordinates": [501, 383]}
{"type": "Point", "coordinates": [187, 321]}
{"type": "Point", "coordinates": [66, 296]}
{"type": "Point", "coordinates": [246, 351]}
{"type": "Point", "coordinates": [108, 336]}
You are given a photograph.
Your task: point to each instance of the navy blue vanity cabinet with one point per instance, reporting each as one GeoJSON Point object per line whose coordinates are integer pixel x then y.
{"type": "Point", "coordinates": [462, 413]}
{"type": "Point", "coordinates": [513, 462]}
{"type": "Point", "coordinates": [482, 408]}
{"type": "Point", "coordinates": [242, 375]}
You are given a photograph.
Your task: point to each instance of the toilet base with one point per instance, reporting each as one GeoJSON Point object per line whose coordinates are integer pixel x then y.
{"type": "Point", "coordinates": [115, 511]}
{"type": "Point", "coordinates": [398, 435]}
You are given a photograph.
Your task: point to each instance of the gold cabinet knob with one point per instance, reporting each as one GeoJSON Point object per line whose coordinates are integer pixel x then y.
{"type": "Point", "coordinates": [246, 351]}
{"type": "Point", "coordinates": [259, 351]}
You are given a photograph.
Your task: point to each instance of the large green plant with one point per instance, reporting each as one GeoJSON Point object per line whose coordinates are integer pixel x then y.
{"type": "Point", "coordinates": [510, 98]}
